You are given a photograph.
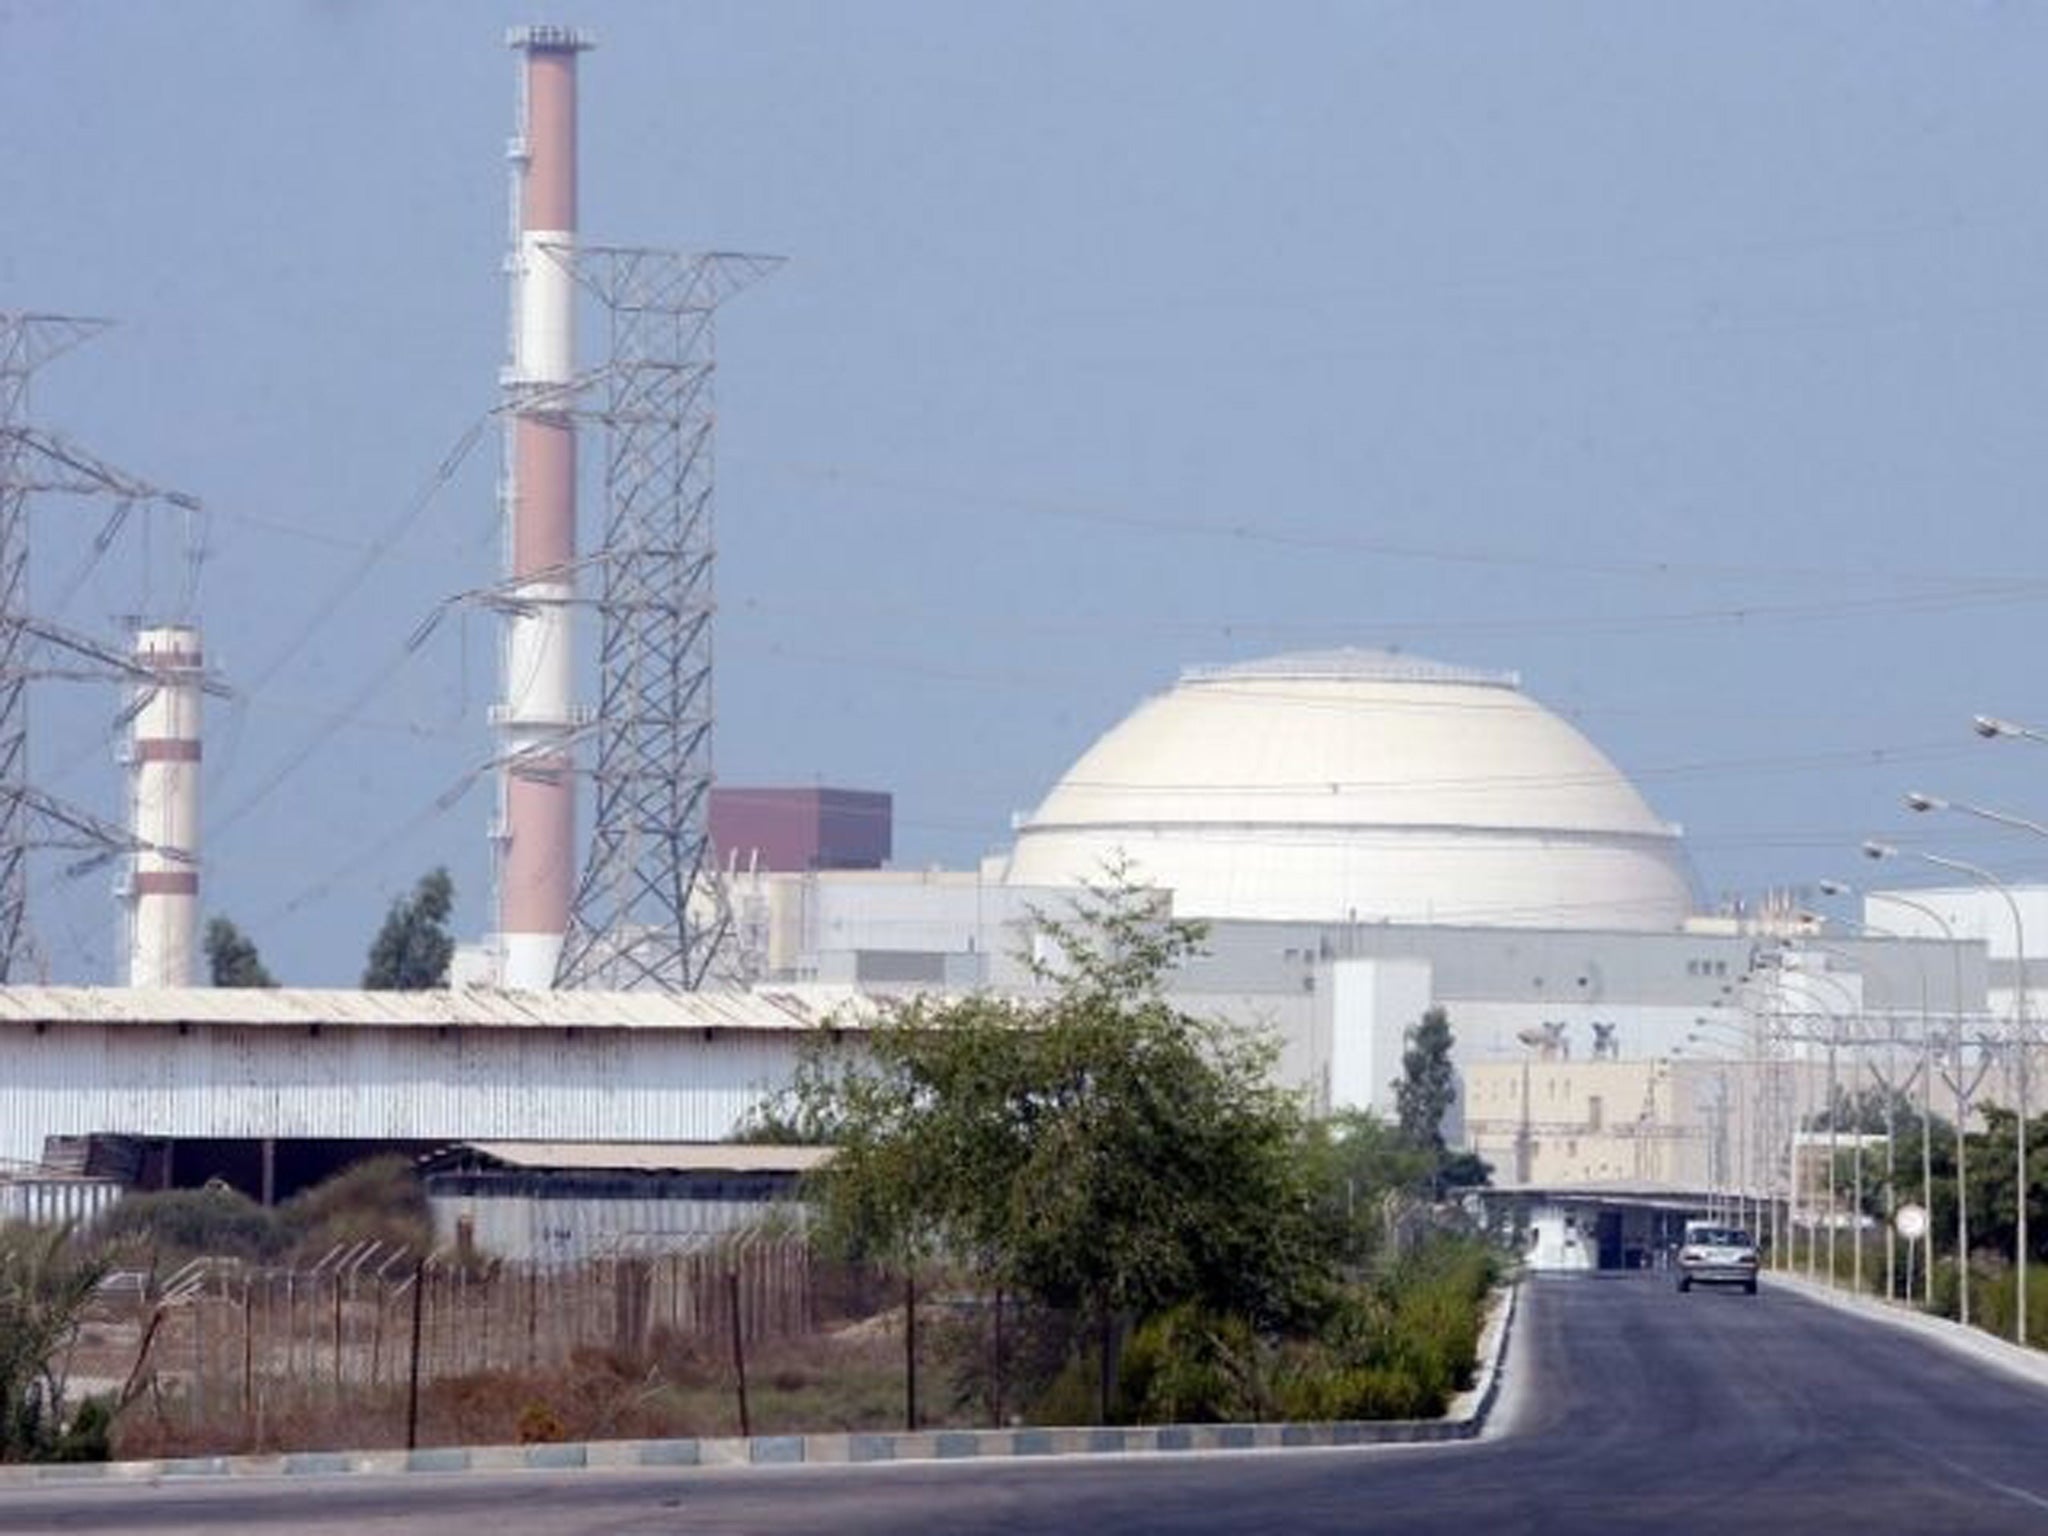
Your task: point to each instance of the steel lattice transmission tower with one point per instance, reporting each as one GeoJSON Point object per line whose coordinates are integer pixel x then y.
{"type": "Point", "coordinates": [645, 913]}
{"type": "Point", "coordinates": [33, 461]}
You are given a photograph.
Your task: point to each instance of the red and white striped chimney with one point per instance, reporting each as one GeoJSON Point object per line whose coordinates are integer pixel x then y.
{"type": "Point", "coordinates": [536, 864]}
{"type": "Point", "coordinates": [163, 886]}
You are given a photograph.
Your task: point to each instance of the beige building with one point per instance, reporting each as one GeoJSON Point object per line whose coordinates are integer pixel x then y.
{"type": "Point", "coordinates": [1694, 1124]}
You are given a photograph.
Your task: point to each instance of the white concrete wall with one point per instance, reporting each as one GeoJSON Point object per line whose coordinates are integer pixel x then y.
{"type": "Point", "coordinates": [1982, 914]}
{"type": "Point", "coordinates": [1372, 1004]}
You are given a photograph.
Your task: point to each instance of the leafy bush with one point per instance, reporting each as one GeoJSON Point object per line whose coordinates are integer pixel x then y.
{"type": "Point", "coordinates": [1072, 1396]}
{"type": "Point", "coordinates": [46, 1280]}
{"type": "Point", "coordinates": [1947, 1288]}
{"type": "Point", "coordinates": [1398, 1345]}
{"type": "Point", "coordinates": [1192, 1366]}
{"type": "Point", "coordinates": [1438, 1299]}
{"type": "Point", "coordinates": [175, 1224]}
{"type": "Point", "coordinates": [1317, 1387]}
{"type": "Point", "coordinates": [89, 1435]}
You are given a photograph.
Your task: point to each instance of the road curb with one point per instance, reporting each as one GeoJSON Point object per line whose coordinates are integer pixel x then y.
{"type": "Point", "coordinates": [1465, 1419]}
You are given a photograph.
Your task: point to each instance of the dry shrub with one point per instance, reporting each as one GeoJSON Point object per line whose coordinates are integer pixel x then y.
{"type": "Point", "coordinates": [379, 1199]}
{"type": "Point", "coordinates": [541, 1425]}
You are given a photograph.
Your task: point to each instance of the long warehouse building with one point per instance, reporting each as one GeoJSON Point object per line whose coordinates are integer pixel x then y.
{"type": "Point", "coordinates": [270, 1089]}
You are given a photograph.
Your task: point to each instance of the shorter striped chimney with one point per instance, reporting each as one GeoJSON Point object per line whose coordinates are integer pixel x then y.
{"type": "Point", "coordinates": [163, 891]}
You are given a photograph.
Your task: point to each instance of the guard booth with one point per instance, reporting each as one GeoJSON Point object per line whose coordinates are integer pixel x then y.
{"type": "Point", "coordinates": [1581, 1231]}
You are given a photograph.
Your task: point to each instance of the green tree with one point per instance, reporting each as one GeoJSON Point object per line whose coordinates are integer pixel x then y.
{"type": "Point", "coordinates": [412, 950]}
{"type": "Point", "coordinates": [45, 1283]}
{"type": "Point", "coordinates": [1427, 1087]}
{"type": "Point", "coordinates": [1463, 1170]}
{"type": "Point", "coordinates": [1368, 1176]}
{"type": "Point", "coordinates": [1865, 1111]}
{"type": "Point", "coordinates": [231, 958]}
{"type": "Point", "coordinates": [1095, 1149]}
{"type": "Point", "coordinates": [1423, 1096]}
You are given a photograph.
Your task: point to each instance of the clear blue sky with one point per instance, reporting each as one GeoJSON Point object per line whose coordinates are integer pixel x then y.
{"type": "Point", "coordinates": [1692, 361]}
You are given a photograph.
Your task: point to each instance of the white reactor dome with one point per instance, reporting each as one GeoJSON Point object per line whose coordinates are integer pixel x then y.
{"type": "Point", "coordinates": [1360, 786]}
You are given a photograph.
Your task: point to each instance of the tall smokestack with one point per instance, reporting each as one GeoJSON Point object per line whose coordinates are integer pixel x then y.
{"type": "Point", "coordinates": [536, 831]}
{"type": "Point", "coordinates": [164, 809]}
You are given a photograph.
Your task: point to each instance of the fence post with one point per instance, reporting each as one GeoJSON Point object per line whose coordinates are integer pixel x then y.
{"type": "Point", "coordinates": [412, 1392]}
{"type": "Point", "coordinates": [291, 1325]}
{"type": "Point", "coordinates": [739, 1350]}
{"type": "Point", "coordinates": [489, 1282]}
{"type": "Point", "coordinates": [198, 1403]}
{"type": "Point", "coordinates": [996, 1395]}
{"type": "Point", "coordinates": [337, 1336]}
{"type": "Point", "coordinates": [532, 1311]}
{"type": "Point", "coordinates": [910, 1351]}
{"type": "Point", "coordinates": [248, 1355]}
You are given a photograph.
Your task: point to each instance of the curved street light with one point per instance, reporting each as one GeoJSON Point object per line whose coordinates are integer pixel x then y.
{"type": "Point", "coordinates": [1917, 801]}
{"type": "Point", "coordinates": [1837, 1036]}
{"type": "Point", "coordinates": [1990, 726]}
{"type": "Point", "coordinates": [1948, 932]}
{"type": "Point", "coordinates": [1984, 876]}
{"type": "Point", "coordinates": [1860, 1018]}
{"type": "Point", "coordinates": [1735, 1175]}
{"type": "Point", "coordinates": [1776, 1188]}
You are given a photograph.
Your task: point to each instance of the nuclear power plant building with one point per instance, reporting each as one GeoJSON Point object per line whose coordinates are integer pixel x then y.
{"type": "Point", "coordinates": [1366, 835]}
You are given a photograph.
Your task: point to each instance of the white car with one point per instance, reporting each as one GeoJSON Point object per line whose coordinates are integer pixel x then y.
{"type": "Point", "coordinates": [1714, 1255]}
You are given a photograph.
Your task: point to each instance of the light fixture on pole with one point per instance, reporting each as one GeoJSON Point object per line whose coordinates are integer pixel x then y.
{"type": "Point", "coordinates": [1918, 801]}
{"type": "Point", "coordinates": [1991, 727]}
{"type": "Point", "coordinates": [1777, 1187]}
{"type": "Point", "coordinates": [1983, 876]}
{"type": "Point", "coordinates": [1834, 1039]}
{"type": "Point", "coordinates": [1858, 1042]}
{"type": "Point", "coordinates": [1948, 932]}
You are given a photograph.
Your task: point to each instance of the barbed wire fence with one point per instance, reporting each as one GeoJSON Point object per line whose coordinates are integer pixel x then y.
{"type": "Point", "coordinates": [368, 1325]}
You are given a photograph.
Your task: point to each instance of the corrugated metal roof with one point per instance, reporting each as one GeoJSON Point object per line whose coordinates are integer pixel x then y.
{"type": "Point", "coordinates": [782, 1008]}
{"type": "Point", "coordinates": [650, 1157]}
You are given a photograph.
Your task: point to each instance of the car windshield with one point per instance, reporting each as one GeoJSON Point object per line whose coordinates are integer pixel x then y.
{"type": "Point", "coordinates": [1720, 1237]}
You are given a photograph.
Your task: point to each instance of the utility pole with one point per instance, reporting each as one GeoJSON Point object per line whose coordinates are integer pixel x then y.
{"type": "Point", "coordinates": [34, 461]}
{"type": "Point", "coordinates": [648, 910]}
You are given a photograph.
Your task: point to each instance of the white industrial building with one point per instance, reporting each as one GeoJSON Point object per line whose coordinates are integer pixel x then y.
{"type": "Point", "coordinates": [198, 1083]}
{"type": "Point", "coordinates": [1368, 835]}
{"type": "Point", "coordinates": [1361, 786]}
{"type": "Point", "coordinates": [1365, 836]}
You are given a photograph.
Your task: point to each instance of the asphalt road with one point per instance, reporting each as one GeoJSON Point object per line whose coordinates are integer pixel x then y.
{"type": "Point", "coordinates": [1628, 1408]}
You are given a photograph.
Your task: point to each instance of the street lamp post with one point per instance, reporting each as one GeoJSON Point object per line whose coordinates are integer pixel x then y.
{"type": "Point", "coordinates": [1984, 876]}
{"type": "Point", "coordinates": [1948, 932]}
{"type": "Point", "coordinates": [1835, 1038]}
{"type": "Point", "coordinates": [1991, 726]}
{"type": "Point", "coordinates": [1838, 888]}
{"type": "Point", "coordinates": [1775, 1179]}
{"type": "Point", "coordinates": [1729, 1162]}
